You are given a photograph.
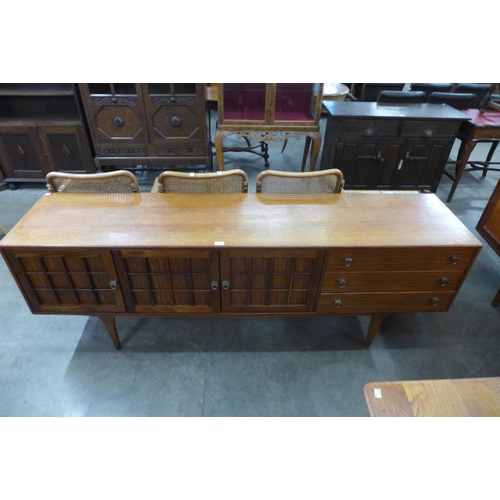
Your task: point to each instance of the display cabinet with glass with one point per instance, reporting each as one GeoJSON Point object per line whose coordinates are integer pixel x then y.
{"type": "Point", "coordinates": [268, 112]}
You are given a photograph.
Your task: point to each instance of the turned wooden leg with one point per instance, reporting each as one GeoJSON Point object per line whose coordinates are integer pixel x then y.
{"type": "Point", "coordinates": [109, 323]}
{"type": "Point", "coordinates": [375, 323]}
{"type": "Point", "coordinates": [218, 149]}
{"type": "Point", "coordinates": [496, 300]}
{"type": "Point", "coordinates": [316, 138]}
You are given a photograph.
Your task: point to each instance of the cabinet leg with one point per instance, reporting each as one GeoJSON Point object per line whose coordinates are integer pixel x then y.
{"type": "Point", "coordinates": [496, 300]}
{"type": "Point", "coordinates": [109, 323]}
{"type": "Point", "coordinates": [375, 323]}
{"type": "Point", "coordinates": [316, 140]}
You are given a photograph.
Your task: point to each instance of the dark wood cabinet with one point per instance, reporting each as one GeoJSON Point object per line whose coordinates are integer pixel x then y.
{"type": "Point", "coordinates": [147, 123]}
{"type": "Point", "coordinates": [389, 147]}
{"type": "Point", "coordinates": [41, 131]}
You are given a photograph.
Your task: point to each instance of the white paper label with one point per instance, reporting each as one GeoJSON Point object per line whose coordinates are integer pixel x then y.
{"type": "Point", "coordinates": [220, 243]}
{"type": "Point", "coordinates": [377, 393]}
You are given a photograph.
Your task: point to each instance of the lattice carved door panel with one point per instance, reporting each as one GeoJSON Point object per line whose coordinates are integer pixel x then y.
{"type": "Point", "coordinates": [73, 281]}
{"type": "Point", "coordinates": [270, 280]}
{"type": "Point", "coordinates": [170, 281]}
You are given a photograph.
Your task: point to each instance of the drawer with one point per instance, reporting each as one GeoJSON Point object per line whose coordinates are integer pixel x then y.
{"type": "Point", "coordinates": [429, 128]}
{"type": "Point", "coordinates": [369, 303]}
{"type": "Point", "coordinates": [174, 150]}
{"type": "Point", "coordinates": [369, 128]}
{"type": "Point", "coordinates": [122, 150]}
{"type": "Point", "coordinates": [346, 282]}
{"type": "Point", "coordinates": [399, 259]}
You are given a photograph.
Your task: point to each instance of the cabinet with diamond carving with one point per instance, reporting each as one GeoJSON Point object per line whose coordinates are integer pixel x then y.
{"type": "Point", "coordinates": [147, 123]}
{"type": "Point", "coordinates": [41, 130]}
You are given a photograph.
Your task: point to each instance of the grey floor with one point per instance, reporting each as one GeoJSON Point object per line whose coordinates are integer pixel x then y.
{"type": "Point", "coordinates": [67, 365]}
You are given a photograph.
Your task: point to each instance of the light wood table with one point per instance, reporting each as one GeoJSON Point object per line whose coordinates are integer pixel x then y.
{"type": "Point", "coordinates": [474, 397]}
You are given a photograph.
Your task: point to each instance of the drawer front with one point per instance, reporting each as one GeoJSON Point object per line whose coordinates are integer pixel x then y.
{"type": "Point", "coordinates": [429, 128]}
{"type": "Point", "coordinates": [346, 282]}
{"type": "Point", "coordinates": [399, 259]}
{"type": "Point", "coordinates": [369, 303]}
{"type": "Point", "coordinates": [487, 133]}
{"type": "Point", "coordinates": [369, 128]}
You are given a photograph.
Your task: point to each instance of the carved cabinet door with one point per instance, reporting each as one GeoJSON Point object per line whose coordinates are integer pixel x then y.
{"type": "Point", "coordinates": [169, 281]}
{"type": "Point", "coordinates": [270, 280]}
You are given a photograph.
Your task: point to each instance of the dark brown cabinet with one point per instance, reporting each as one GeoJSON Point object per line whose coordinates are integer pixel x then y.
{"type": "Point", "coordinates": [389, 147]}
{"type": "Point", "coordinates": [41, 131]}
{"type": "Point", "coordinates": [147, 123]}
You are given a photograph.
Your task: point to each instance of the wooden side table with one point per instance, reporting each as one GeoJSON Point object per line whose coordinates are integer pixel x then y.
{"type": "Point", "coordinates": [482, 127]}
{"type": "Point", "coordinates": [475, 397]}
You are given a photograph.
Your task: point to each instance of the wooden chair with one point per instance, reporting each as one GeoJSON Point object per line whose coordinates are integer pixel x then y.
{"type": "Point", "coordinates": [397, 97]}
{"type": "Point", "coordinates": [453, 99]}
{"type": "Point", "coordinates": [228, 181]}
{"type": "Point", "coordinates": [322, 181]}
{"type": "Point", "coordinates": [119, 181]}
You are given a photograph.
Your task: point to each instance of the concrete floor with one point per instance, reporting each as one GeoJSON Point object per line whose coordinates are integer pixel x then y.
{"type": "Point", "coordinates": [67, 365]}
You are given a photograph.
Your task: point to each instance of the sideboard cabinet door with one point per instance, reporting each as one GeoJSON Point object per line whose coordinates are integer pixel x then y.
{"type": "Point", "coordinates": [170, 281]}
{"type": "Point", "coordinates": [270, 280]}
{"type": "Point", "coordinates": [67, 281]}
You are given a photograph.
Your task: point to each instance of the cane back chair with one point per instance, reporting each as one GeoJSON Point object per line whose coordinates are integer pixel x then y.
{"type": "Point", "coordinates": [119, 181]}
{"type": "Point", "coordinates": [322, 181]}
{"type": "Point", "coordinates": [228, 181]}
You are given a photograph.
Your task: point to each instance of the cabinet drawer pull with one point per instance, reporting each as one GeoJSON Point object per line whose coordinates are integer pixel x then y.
{"type": "Point", "coordinates": [118, 121]}
{"type": "Point", "coordinates": [225, 285]}
{"type": "Point", "coordinates": [337, 303]}
{"type": "Point", "coordinates": [342, 283]}
{"type": "Point", "coordinates": [347, 261]}
{"type": "Point", "coordinates": [454, 260]}
{"type": "Point", "coordinates": [175, 121]}
{"type": "Point", "coordinates": [444, 281]}
{"type": "Point", "coordinates": [434, 301]}
{"type": "Point", "coordinates": [112, 284]}
{"type": "Point", "coordinates": [214, 285]}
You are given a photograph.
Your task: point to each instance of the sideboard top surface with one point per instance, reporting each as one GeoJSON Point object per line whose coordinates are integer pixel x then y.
{"type": "Point", "coordinates": [374, 110]}
{"type": "Point", "coordinates": [150, 220]}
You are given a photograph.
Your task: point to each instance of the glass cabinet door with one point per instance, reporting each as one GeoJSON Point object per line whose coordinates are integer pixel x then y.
{"type": "Point", "coordinates": [244, 102]}
{"type": "Point", "coordinates": [294, 102]}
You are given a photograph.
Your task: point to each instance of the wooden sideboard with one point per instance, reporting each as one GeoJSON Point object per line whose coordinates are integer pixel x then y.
{"type": "Point", "coordinates": [218, 255]}
{"type": "Point", "coordinates": [488, 227]}
{"type": "Point", "coordinates": [389, 147]}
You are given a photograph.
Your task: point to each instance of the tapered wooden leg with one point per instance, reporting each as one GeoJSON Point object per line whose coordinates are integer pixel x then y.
{"type": "Point", "coordinates": [218, 149]}
{"type": "Point", "coordinates": [466, 148]}
{"type": "Point", "coordinates": [306, 152]}
{"type": "Point", "coordinates": [375, 323]}
{"type": "Point", "coordinates": [496, 300]}
{"type": "Point", "coordinates": [316, 138]}
{"type": "Point", "coordinates": [109, 323]}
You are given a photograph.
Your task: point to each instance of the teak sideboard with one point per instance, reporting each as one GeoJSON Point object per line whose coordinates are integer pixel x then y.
{"type": "Point", "coordinates": [217, 255]}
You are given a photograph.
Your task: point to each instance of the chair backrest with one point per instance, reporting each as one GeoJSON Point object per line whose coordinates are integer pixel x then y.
{"type": "Point", "coordinates": [229, 181]}
{"type": "Point", "coordinates": [458, 101]}
{"type": "Point", "coordinates": [322, 181]}
{"type": "Point", "coordinates": [429, 88]}
{"type": "Point", "coordinates": [370, 91]}
{"type": "Point", "coordinates": [119, 181]}
{"type": "Point", "coordinates": [401, 97]}
{"type": "Point", "coordinates": [479, 89]}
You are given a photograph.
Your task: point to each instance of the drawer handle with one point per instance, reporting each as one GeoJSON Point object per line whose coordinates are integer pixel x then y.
{"type": "Point", "coordinates": [214, 285]}
{"type": "Point", "coordinates": [175, 121]}
{"type": "Point", "coordinates": [112, 284]}
{"type": "Point", "coordinates": [337, 303]}
{"type": "Point", "coordinates": [454, 260]}
{"type": "Point", "coordinates": [225, 285]}
{"type": "Point", "coordinates": [444, 281]}
{"type": "Point", "coordinates": [118, 121]}
{"type": "Point", "coordinates": [434, 301]}
{"type": "Point", "coordinates": [347, 261]}
{"type": "Point", "coordinates": [342, 283]}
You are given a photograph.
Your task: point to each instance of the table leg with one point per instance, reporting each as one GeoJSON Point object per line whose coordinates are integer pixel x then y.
{"type": "Point", "coordinates": [109, 323]}
{"type": "Point", "coordinates": [218, 149]}
{"type": "Point", "coordinates": [306, 152]}
{"type": "Point", "coordinates": [489, 157]}
{"type": "Point", "coordinates": [464, 153]}
{"type": "Point", "coordinates": [375, 323]}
